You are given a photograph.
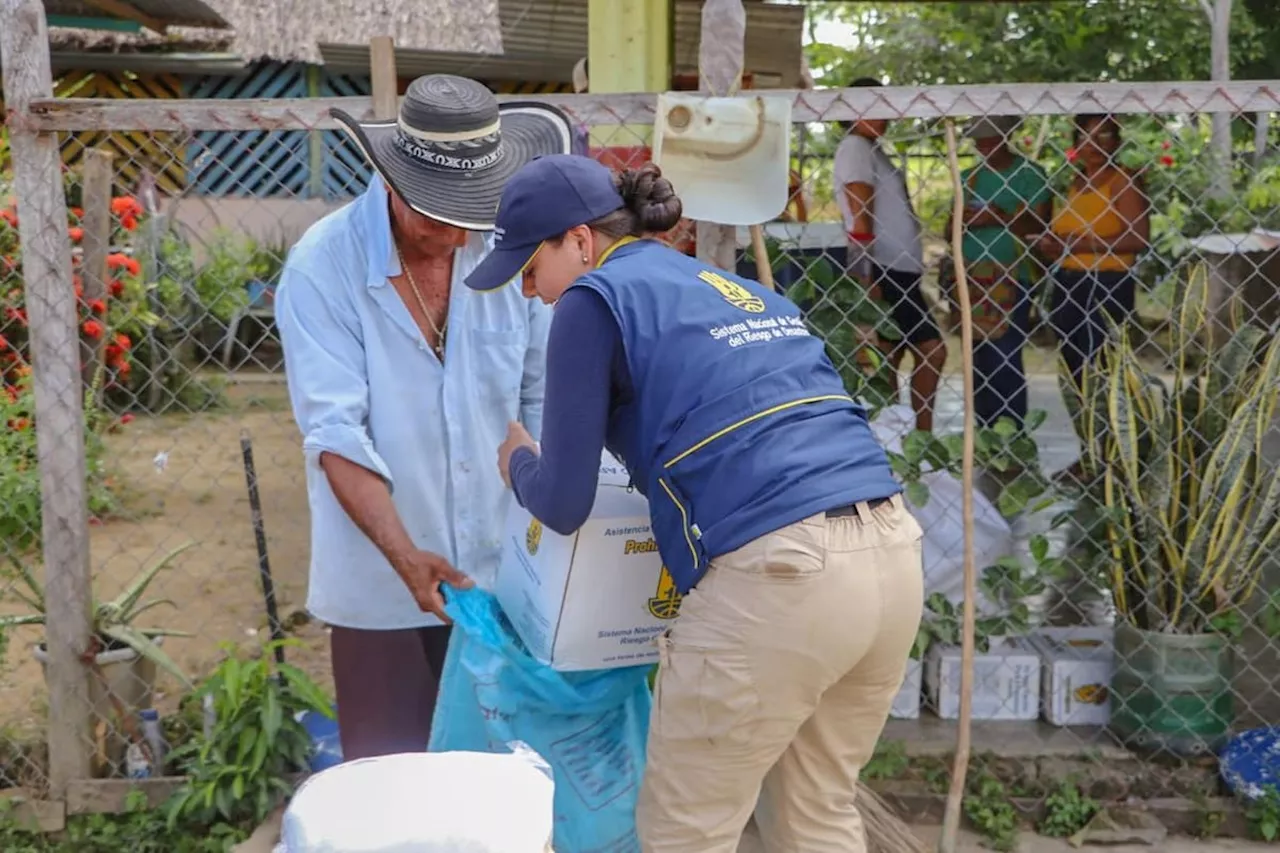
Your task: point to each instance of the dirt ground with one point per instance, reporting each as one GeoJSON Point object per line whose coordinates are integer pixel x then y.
{"type": "Point", "coordinates": [198, 496]}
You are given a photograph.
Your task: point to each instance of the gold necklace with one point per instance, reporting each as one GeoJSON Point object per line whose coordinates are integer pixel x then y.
{"type": "Point", "coordinates": [440, 331]}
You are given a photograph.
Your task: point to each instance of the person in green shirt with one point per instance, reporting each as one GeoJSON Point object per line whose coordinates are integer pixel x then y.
{"type": "Point", "coordinates": [1007, 201]}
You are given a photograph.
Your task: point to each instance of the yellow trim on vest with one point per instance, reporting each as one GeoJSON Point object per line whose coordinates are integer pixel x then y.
{"type": "Point", "coordinates": [751, 418]}
{"type": "Point", "coordinates": [621, 241]}
{"type": "Point", "coordinates": [684, 519]}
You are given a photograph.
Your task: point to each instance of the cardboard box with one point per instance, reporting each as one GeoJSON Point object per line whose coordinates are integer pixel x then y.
{"type": "Point", "coordinates": [906, 705]}
{"type": "Point", "coordinates": [1006, 683]}
{"type": "Point", "coordinates": [1078, 662]}
{"type": "Point", "coordinates": [593, 600]}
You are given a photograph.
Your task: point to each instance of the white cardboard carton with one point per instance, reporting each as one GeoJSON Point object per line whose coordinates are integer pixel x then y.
{"type": "Point", "coordinates": [1006, 683]}
{"type": "Point", "coordinates": [1078, 662]}
{"type": "Point", "coordinates": [593, 600]}
{"type": "Point", "coordinates": [906, 705]}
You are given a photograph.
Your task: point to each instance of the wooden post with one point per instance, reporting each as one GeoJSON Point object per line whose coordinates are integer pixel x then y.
{"type": "Point", "coordinates": [382, 71]}
{"type": "Point", "coordinates": [968, 640]}
{"type": "Point", "coordinates": [96, 176]}
{"type": "Point", "coordinates": [1219, 14]}
{"type": "Point", "coordinates": [720, 62]}
{"type": "Point", "coordinates": [55, 348]}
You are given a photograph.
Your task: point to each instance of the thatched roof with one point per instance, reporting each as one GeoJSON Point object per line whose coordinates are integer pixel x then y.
{"type": "Point", "coordinates": [293, 30]}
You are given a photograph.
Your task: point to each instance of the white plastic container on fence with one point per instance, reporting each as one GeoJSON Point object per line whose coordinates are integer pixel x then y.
{"type": "Point", "coordinates": [444, 802]}
{"type": "Point", "coordinates": [1077, 666]}
{"type": "Point", "coordinates": [1006, 683]}
{"type": "Point", "coordinates": [906, 705]}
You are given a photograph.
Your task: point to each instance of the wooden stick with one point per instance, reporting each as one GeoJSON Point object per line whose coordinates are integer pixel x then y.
{"type": "Point", "coordinates": [959, 772]}
{"type": "Point", "coordinates": [55, 350]}
{"type": "Point", "coordinates": [95, 200]}
{"type": "Point", "coordinates": [382, 73]}
{"type": "Point", "coordinates": [821, 105]}
{"type": "Point", "coordinates": [764, 269]}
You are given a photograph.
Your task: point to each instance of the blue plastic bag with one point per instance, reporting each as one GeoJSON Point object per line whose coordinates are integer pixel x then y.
{"type": "Point", "coordinates": [590, 727]}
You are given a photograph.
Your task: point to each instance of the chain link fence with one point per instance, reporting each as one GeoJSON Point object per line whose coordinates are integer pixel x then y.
{"type": "Point", "coordinates": [1123, 279]}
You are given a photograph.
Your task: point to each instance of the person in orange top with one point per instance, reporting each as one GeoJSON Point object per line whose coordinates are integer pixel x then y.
{"type": "Point", "coordinates": [1093, 242]}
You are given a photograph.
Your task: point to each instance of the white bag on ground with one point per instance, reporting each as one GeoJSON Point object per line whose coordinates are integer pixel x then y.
{"type": "Point", "coordinates": [942, 520]}
{"type": "Point", "coordinates": [445, 802]}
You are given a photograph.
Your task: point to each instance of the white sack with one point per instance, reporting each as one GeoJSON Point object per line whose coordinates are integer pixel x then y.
{"type": "Point", "coordinates": [942, 519]}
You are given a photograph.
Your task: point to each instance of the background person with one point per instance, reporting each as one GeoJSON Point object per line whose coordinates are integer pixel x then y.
{"type": "Point", "coordinates": [401, 383]}
{"type": "Point", "coordinates": [1007, 202]}
{"type": "Point", "coordinates": [1097, 233]}
{"type": "Point", "coordinates": [773, 507]}
{"type": "Point", "coordinates": [885, 253]}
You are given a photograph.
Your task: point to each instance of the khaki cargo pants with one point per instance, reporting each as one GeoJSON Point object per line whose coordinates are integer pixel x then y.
{"type": "Point", "coordinates": [775, 684]}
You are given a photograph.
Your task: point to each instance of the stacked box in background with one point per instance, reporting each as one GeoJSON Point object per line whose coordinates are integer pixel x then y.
{"type": "Point", "coordinates": [1078, 662]}
{"type": "Point", "coordinates": [906, 705]}
{"type": "Point", "coordinates": [1006, 681]}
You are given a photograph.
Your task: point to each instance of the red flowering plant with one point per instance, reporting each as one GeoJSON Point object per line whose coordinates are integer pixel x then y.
{"type": "Point", "coordinates": [110, 321]}
{"type": "Point", "coordinates": [105, 321]}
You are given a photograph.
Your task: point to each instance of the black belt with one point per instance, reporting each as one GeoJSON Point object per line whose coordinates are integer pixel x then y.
{"type": "Point", "coordinates": [852, 509]}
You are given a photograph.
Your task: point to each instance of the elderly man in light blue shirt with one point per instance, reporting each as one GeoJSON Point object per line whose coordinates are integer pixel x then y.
{"type": "Point", "coordinates": [402, 382]}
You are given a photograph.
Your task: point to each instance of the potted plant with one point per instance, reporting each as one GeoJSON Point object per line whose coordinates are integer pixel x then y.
{"type": "Point", "coordinates": [1183, 513]}
{"type": "Point", "coordinates": [127, 655]}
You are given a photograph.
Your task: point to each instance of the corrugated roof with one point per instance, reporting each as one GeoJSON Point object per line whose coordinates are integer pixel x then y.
{"type": "Point", "coordinates": [528, 40]}
{"type": "Point", "coordinates": [293, 30]}
{"type": "Point", "coordinates": [542, 39]}
{"type": "Point", "coordinates": [181, 13]}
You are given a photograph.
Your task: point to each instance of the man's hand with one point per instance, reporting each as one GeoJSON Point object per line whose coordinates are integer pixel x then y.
{"type": "Point", "coordinates": [423, 572]}
{"type": "Point", "coordinates": [517, 437]}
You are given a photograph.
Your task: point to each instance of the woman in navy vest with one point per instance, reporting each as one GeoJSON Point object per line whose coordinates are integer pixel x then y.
{"type": "Point", "coordinates": [773, 507]}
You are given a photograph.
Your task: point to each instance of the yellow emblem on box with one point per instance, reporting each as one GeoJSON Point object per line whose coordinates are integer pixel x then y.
{"type": "Point", "coordinates": [733, 293]}
{"type": "Point", "coordinates": [533, 536]}
{"type": "Point", "coordinates": [665, 603]}
{"type": "Point", "coordinates": [1092, 694]}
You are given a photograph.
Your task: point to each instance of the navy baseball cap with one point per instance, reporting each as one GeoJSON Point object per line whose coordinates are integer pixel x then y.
{"type": "Point", "coordinates": [545, 198]}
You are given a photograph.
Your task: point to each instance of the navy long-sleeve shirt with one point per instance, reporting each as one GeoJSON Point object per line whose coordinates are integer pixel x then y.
{"type": "Point", "coordinates": [587, 376]}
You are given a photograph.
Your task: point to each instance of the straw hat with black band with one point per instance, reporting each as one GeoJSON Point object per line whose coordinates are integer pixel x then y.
{"type": "Point", "coordinates": [452, 148]}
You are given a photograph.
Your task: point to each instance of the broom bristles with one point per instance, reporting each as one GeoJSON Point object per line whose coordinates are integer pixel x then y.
{"type": "Point", "coordinates": [886, 832]}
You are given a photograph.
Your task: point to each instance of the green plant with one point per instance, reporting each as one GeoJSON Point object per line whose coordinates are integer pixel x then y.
{"type": "Point", "coordinates": [987, 806]}
{"type": "Point", "coordinates": [1263, 815]}
{"type": "Point", "coordinates": [1002, 449]}
{"type": "Point", "coordinates": [944, 623]}
{"type": "Point", "coordinates": [1179, 488]}
{"type": "Point", "coordinates": [889, 761]}
{"type": "Point", "coordinates": [840, 310]}
{"type": "Point", "coordinates": [1067, 811]}
{"type": "Point", "coordinates": [138, 829]}
{"type": "Point", "coordinates": [245, 767]}
{"type": "Point", "coordinates": [114, 621]}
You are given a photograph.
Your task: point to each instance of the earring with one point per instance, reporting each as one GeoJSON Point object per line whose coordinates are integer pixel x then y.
{"type": "Point", "coordinates": [585, 259]}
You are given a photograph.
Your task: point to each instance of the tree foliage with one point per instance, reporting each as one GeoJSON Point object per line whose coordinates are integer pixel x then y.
{"type": "Point", "coordinates": [1050, 42]}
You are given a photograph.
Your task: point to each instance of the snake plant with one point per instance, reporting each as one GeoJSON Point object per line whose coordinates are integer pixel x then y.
{"type": "Point", "coordinates": [113, 621]}
{"type": "Point", "coordinates": [1188, 508]}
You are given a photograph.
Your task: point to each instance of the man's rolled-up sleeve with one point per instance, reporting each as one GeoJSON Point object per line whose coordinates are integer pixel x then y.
{"type": "Point", "coordinates": [325, 365]}
{"type": "Point", "coordinates": [534, 384]}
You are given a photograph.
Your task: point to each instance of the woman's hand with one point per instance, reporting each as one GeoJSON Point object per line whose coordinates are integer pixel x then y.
{"type": "Point", "coordinates": [517, 437]}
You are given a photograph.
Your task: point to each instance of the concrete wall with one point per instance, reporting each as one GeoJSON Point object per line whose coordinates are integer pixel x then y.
{"type": "Point", "coordinates": [267, 220]}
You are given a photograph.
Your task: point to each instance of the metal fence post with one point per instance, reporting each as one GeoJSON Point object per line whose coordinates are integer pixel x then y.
{"type": "Point", "coordinates": [46, 253]}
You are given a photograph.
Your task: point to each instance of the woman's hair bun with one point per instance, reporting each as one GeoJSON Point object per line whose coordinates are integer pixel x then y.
{"type": "Point", "coordinates": [650, 197]}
